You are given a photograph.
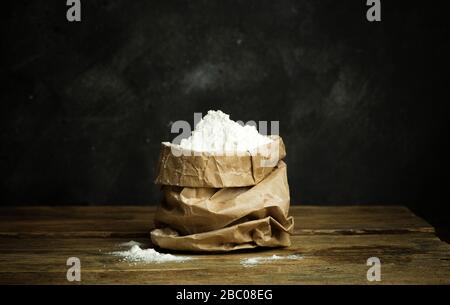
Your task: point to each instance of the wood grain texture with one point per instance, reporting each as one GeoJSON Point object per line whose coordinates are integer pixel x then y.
{"type": "Point", "coordinates": [334, 243]}
{"type": "Point", "coordinates": [137, 221]}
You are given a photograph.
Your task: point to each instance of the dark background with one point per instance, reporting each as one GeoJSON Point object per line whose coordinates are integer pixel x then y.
{"type": "Point", "coordinates": [362, 106]}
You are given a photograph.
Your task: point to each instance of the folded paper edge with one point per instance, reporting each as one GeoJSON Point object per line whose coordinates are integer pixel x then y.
{"type": "Point", "coordinates": [252, 177]}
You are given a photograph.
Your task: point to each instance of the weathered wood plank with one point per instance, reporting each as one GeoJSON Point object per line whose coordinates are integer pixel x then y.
{"type": "Point", "coordinates": [334, 242]}
{"type": "Point", "coordinates": [138, 221]}
{"type": "Point", "coordinates": [415, 258]}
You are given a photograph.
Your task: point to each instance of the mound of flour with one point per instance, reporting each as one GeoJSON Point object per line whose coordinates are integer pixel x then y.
{"type": "Point", "coordinates": [216, 132]}
{"type": "Point", "coordinates": [137, 254]}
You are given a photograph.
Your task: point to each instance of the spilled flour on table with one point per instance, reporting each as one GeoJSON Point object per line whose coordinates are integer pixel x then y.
{"type": "Point", "coordinates": [130, 243]}
{"type": "Point", "coordinates": [253, 261]}
{"type": "Point", "coordinates": [137, 254]}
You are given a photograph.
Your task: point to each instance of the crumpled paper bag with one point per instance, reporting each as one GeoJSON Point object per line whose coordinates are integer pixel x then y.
{"type": "Point", "coordinates": [181, 168]}
{"type": "Point", "coordinates": [212, 219]}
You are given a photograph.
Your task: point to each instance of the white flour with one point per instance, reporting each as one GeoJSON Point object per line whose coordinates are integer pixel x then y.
{"type": "Point", "coordinates": [136, 254]}
{"type": "Point", "coordinates": [248, 262]}
{"type": "Point", "coordinates": [131, 243]}
{"type": "Point", "coordinates": [217, 133]}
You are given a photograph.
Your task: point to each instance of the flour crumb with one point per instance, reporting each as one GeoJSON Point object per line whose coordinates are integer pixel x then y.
{"type": "Point", "coordinates": [249, 262]}
{"type": "Point", "coordinates": [216, 132]}
{"type": "Point", "coordinates": [130, 243]}
{"type": "Point", "coordinates": [136, 254]}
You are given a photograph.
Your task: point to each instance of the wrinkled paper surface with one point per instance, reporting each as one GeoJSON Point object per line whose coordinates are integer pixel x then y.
{"type": "Point", "coordinates": [217, 171]}
{"type": "Point", "coordinates": [225, 219]}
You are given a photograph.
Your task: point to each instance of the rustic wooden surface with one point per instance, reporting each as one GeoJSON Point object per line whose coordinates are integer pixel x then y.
{"type": "Point", "coordinates": [334, 243]}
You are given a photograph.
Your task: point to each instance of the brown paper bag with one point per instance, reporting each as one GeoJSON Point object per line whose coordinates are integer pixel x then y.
{"type": "Point", "coordinates": [182, 168]}
{"type": "Point", "coordinates": [209, 219]}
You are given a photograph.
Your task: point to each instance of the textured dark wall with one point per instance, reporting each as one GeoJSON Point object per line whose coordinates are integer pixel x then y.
{"type": "Point", "coordinates": [85, 105]}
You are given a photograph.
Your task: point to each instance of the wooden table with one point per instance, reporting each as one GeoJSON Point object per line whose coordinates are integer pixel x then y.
{"type": "Point", "coordinates": [334, 242]}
